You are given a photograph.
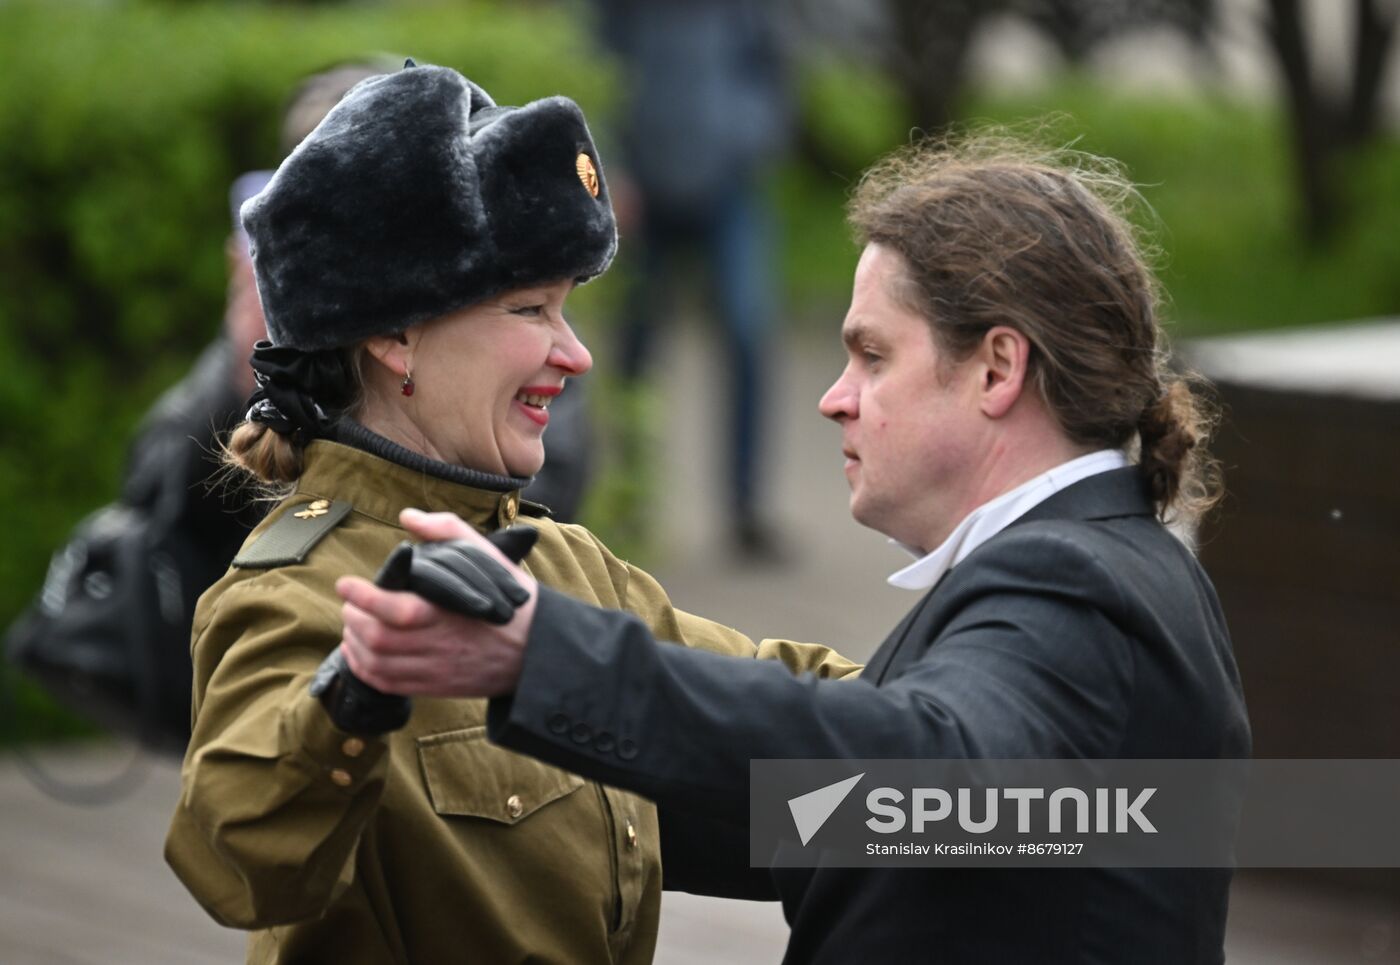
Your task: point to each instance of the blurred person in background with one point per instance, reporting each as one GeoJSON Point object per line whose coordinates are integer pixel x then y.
{"type": "Point", "coordinates": [1009, 416]}
{"type": "Point", "coordinates": [414, 256]}
{"type": "Point", "coordinates": [707, 107]}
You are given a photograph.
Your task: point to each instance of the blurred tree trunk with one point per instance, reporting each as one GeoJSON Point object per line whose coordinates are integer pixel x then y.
{"type": "Point", "coordinates": [1327, 125]}
{"type": "Point", "coordinates": [927, 57]}
{"type": "Point", "coordinates": [1078, 26]}
{"type": "Point", "coordinates": [1064, 22]}
{"type": "Point", "coordinates": [1375, 30]}
{"type": "Point", "coordinates": [921, 46]}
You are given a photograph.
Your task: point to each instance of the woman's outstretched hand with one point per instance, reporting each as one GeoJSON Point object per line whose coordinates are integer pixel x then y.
{"type": "Point", "coordinates": [401, 643]}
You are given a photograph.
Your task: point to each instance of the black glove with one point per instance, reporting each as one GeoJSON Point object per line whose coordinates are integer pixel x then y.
{"type": "Point", "coordinates": [459, 577]}
{"type": "Point", "coordinates": [453, 575]}
{"type": "Point", "coordinates": [354, 705]}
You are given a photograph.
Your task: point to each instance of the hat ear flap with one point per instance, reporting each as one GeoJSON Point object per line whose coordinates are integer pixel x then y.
{"type": "Point", "coordinates": [529, 164]}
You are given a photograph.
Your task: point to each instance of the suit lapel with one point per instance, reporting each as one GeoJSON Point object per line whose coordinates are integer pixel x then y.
{"type": "Point", "coordinates": [880, 661]}
{"type": "Point", "coordinates": [1119, 492]}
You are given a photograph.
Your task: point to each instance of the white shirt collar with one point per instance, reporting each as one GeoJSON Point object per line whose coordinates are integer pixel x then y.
{"type": "Point", "coordinates": [993, 516]}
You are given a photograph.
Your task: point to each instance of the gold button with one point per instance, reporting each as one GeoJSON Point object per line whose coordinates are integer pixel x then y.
{"type": "Point", "coordinates": [341, 778]}
{"type": "Point", "coordinates": [353, 747]}
{"type": "Point", "coordinates": [510, 508]}
{"type": "Point", "coordinates": [631, 835]}
{"type": "Point", "coordinates": [514, 807]}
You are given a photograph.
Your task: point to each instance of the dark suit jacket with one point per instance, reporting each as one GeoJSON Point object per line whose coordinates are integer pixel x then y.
{"type": "Point", "coordinates": [1082, 630]}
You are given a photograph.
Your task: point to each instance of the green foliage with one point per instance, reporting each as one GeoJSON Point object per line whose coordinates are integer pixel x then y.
{"type": "Point", "coordinates": [620, 502]}
{"type": "Point", "coordinates": [122, 125]}
{"type": "Point", "coordinates": [853, 111]}
{"type": "Point", "coordinates": [1217, 173]}
{"type": "Point", "coordinates": [852, 115]}
{"type": "Point", "coordinates": [1221, 179]}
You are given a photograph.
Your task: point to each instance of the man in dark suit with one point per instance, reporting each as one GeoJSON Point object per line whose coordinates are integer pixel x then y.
{"type": "Point", "coordinates": [1003, 360]}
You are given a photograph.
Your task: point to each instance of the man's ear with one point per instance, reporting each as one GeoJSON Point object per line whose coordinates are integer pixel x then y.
{"type": "Point", "coordinates": [1005, 354]}
{"type": "Point", "coordinates": [394, 352]}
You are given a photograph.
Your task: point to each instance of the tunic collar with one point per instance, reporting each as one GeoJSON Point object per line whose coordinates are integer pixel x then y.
{"type": "Point", "coordinates": [380, 488]}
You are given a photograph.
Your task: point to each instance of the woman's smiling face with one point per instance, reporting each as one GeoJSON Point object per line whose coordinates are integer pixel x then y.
{"type": "Point", "coordinates": [484, 377]}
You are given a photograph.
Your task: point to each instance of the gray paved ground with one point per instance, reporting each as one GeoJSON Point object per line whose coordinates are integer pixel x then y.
{"type": "Point", "coordinates": [87, 885]}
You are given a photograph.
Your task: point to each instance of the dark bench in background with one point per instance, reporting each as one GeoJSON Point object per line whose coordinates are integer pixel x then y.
{"type": "Point", "coordinates": [1306, 549]}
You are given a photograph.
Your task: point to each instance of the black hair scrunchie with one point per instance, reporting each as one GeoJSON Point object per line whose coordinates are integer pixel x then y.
{"type": "Point", "coordinates": [289, 383]}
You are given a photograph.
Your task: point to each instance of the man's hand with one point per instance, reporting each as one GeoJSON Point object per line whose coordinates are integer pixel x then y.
{"type": "Point", "coordinates": [401, 643]}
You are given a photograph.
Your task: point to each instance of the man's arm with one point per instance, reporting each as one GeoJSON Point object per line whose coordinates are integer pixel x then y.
{"type": "Point", "coordinates": [1031, 664]}
{"type": "Point", "coordinates": [639, 593]}
{"type": "Point", "coordinates": [648, 600]}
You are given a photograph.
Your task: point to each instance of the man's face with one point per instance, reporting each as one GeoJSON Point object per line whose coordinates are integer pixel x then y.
{"type": "Point", "coordinates": [911, 427]}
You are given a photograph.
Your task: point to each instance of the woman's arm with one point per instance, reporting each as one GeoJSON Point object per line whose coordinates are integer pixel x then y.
{"type": "Point", "coordinates": [640, 594]}
{"type": "Point", "coordinates": [273, 797]}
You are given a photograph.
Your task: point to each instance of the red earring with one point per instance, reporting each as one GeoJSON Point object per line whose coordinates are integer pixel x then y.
{"type": "Point", "coordinates": [406, 387]}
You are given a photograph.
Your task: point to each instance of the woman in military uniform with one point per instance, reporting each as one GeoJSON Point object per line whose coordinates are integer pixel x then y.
{"type": "Point", "coordinates": [413, 256]}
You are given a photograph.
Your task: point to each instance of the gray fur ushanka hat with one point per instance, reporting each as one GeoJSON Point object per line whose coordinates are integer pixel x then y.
{"type": "Point", "coordinates": [417, 196]}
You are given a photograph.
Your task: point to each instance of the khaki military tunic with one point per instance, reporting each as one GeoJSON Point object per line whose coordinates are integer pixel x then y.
{"type": "Point", "coordinates": [429, 844]}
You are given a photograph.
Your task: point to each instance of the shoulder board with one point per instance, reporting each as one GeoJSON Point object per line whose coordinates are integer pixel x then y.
{"type": "Point", "coordinates": [292, 536]}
